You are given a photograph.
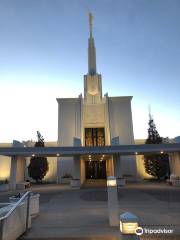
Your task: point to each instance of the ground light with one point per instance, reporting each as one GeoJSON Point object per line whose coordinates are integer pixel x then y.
{"type": "Point", "coordinates": [128, 223]}
{"type": "Point", "coordinates": [111, 181]}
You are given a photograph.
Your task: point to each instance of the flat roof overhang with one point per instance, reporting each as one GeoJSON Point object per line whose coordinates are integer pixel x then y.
{"type": "Point", "coordinates": [139, 149]}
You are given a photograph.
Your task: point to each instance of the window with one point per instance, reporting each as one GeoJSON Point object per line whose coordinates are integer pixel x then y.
{"type": "Point", "coordinates": [94, 137]}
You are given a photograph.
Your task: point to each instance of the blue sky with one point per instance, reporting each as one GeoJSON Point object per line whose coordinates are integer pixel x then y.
{"type": "Point", "coordinates": [43, 55]}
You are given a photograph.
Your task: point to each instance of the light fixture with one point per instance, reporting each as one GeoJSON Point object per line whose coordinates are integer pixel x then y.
{"type": "Point", "coordinates": [57, 154]}
{"type": "Point", "coordinates": [128, 223]}
{"type": "Point", "coordinates": [103, 155]}
{"type": "Point", "coordinates": [33, 155]}
{"type": "Point", "coordinates": [111, 181]}
{"type": "Point", "coordinates": [136, 153]}
{"type": "Point", "coordinates": [162, 152]}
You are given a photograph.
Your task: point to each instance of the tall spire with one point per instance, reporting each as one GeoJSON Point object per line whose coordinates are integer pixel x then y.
{"type": "Point", "coordinates": [90, 24]}
{"type": "Point", "coordinates": [92, 80]}
{"type": "Point", "coordinates": [91, 49]}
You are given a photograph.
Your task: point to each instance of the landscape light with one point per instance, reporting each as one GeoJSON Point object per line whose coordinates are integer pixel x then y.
{"type": "Point", "coordinates": [128, 223]}
{"type": "Point", "coordinates": [111, 181]}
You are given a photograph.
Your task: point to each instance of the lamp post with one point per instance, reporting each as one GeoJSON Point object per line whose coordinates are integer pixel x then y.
{"type": "Point", "coordinates": [112, 201]}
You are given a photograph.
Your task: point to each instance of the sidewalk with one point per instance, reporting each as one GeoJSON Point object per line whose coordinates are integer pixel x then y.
{"type": "Point", "coordinates": [82, 214]}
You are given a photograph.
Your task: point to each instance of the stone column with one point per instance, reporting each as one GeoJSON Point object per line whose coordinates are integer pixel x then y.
{"type": "Point", "coordinates": [76, 181]}
{"type": "Point", "coordinates": [175, 163]}
{"type": "Point", "coordinates": [17, 171]}
{"type": "Point", "coordinates": [117, 165]}
{"type": "Point", "coordinates": [110, 167]}
{"type": "Point", "coordinates": [13, 173]}
{"type": "Point", "coordinates": [113, 208]}
{"type": "Point", "coordinates": [116, 161]}
{"type": "Point", "coordinates": [76, 172]}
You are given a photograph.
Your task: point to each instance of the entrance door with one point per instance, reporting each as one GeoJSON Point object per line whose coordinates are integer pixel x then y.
{"type": "Point", "coordinates": [95, 169]}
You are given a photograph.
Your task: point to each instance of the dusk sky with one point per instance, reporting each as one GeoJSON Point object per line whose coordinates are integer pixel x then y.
{"type": "Point", "coordinates": [43, 56]}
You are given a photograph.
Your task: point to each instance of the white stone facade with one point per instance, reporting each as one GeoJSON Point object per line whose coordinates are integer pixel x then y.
{"type": "Point", "coordinates": [95, 111]}
{"type": "Point", "coordinates": [90, 111]}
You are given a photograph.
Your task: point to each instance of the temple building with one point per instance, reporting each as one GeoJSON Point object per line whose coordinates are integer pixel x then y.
{"type": "Point", "coordinates": [95, 120]}
{"type": "Point", "coordinates": [91, 121]}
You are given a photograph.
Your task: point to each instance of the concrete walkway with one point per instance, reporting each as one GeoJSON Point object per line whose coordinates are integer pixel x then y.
{"type": "Point", "coordinates": [82, 214]}
{"type": "Point", "coordinates": [65, 214]}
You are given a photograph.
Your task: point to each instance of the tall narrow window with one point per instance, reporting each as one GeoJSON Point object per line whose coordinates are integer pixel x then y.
{"type": "Point", "coordinates": [94, 137]}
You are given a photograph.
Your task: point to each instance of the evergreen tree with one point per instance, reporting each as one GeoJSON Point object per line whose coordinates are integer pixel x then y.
{"type": "Point", "coordinates": [38, 166]}
{"type": "Point", "coordinates": [157, 165]}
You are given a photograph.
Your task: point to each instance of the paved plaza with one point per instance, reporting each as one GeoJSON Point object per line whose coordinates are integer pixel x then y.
{"type": "Point", "coordinates": [67, 213]}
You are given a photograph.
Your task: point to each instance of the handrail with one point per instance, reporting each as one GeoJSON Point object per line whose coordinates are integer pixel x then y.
{"type": "Point", "coordinates": [15, 206]}
{"type": "Point", "coordinates": [27, 194]}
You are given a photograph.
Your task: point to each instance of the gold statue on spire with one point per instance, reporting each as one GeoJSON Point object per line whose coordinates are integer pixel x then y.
{"type": "Point", "coordinates": [90, 23]}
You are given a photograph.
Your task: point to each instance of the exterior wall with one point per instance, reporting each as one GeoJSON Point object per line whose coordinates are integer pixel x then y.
{"type": "Point", "coordinates": [93, 115]}
{"type": "Point", "coordinates": [69, 128]}
{"type": "Point", "coordinates": [65, 165]}
{"type": "Point", "coordinates": [5, 164]}
{"type": "Point", "coordinates": [51, 175]}
{"type": "Point", "coordinates": [92, 88]}
{"type": "Point", "coordinates": [20, 174]}
{"type": "Point", "coordinates": [120, 117]}
{"type": "Point", "coordinates": [140, 163]}
{"type": "Point", "coordinates": [69, 122]}
{"type": "Point", "coordinates": [120, 122]}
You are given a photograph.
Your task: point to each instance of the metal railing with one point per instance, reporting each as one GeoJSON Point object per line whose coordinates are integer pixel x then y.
{"type": "Point", "coordinates": [26, 195]}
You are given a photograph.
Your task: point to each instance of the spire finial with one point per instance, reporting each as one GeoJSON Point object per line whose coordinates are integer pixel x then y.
{"type": "Point", "coordinates": [90, 23]}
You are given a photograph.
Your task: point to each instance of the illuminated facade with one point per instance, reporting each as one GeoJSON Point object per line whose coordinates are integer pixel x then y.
{"type": "Point", "coordinates": [90, 120]}
{"type": "Point", "coordinates": [95, 120]}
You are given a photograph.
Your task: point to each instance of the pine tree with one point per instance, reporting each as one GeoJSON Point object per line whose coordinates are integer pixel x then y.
{"type": "Point", "coordinates": [157, 165]}
{"type": "Point", "coordinates": [38, 166]}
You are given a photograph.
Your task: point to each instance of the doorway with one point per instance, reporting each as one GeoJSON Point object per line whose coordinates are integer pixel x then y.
{"type": "Point", "coordinates": [95, 169]}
